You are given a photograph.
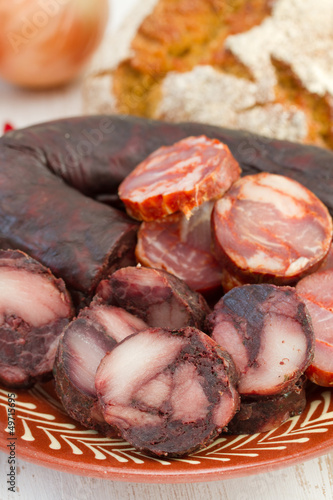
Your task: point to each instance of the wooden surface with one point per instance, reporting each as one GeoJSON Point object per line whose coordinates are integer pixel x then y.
{"type": "Point", "coordinates": [311, 480]}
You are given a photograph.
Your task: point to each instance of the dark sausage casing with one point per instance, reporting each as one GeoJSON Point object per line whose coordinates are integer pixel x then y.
{"type": "Point", "coordinates": [79, 239]}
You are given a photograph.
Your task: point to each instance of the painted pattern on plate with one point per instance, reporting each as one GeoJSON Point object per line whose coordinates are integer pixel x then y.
{"type": "Point", "coordinates": [42, 428]}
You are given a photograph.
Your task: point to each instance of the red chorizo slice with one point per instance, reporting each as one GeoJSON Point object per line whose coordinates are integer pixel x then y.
{"type": "Point", "coordinates": [180, 245]}
{"type": "Point", "coordinates": [168, 392]}
{"type": "Point", "coordinates": [270, 228]}
{"type": "Point", "coordinates": [96, 331]}
{"type": "Point", "coordinates": [179, 178]}
{"type": "Point", "coordinates": [155, 296]}
{"type": "Point", "coordinates": [35, 307]}
{"type": "Point", "coordinates": [316, 291]}
{"type": "Point", "coordinates": [268, 332]}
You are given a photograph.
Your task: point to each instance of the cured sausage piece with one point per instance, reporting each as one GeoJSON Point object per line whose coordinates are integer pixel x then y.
{"type": "Point", "coordinates": [266, 414]}
{"type": "Point", "coordinates": [34, 309]}
{"type": "Point", "coordinates": [163, 244]}
{"type": "Point", "coordinates": [268, 333]}
{"type": "Point", "coordinates": [95, 153]}
{"type": "Point", "coordinates": [179, 178]}
{"type": "Point", "coordinates": [175, 396]}
{"type": "Point", "coordinates": [156, 296]}
{"type": "Point", "coordinates": [316, 291]}
{"type": "Point", "coordinates": [87, 339]}
{"type": "Point", "coordinates": [77, 238]}
{"type": "Point", "coordinates": [270, 228]}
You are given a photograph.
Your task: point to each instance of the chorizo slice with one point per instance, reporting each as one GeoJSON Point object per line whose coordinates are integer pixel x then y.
{"type": "Point", "coordinates": [265, 414]}
{"type": "Point", "coordinates": [96, 331]}
{"type": "Point", "coordinates": [155, 296]}
{"type": "Point", "coordinates": [35, 307]}
{"type": "Point", "coordinates": [163, 245]}
{"type": "Point", "coordinates": [316, 291]}
{"type": "Point", "coordinates": [269, 228]}
{"type": "Point", "coordinates": [168, 392]}
{"type": "Point", "coordinates": [179, 178]}
{"type": "Point", "coordinates": [268, 333]}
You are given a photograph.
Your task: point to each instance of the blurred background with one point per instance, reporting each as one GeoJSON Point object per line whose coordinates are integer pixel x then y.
{"type": "Point", "coordinates": [242, 64]}
{"type": "Point", "coordinates": [20, 107]}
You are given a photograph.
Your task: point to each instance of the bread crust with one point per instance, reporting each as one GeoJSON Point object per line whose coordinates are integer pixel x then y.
{"type": "Point", "coordinates": [260, 65]}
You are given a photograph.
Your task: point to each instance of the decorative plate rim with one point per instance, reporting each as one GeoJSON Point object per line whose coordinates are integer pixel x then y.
{"type": "Point", "coordinates": [55, 441]}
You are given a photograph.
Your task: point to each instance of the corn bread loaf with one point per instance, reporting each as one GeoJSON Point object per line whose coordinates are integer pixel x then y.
{"type": "Point", "coordinates": [261, 65]}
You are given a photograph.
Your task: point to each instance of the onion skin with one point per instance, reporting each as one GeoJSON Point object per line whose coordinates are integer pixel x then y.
{"type": "Point", "coordinates": [47, 43]}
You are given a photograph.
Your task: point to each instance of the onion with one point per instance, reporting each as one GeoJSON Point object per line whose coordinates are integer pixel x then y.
{"type": "Point", "coordinates": [45, 43]}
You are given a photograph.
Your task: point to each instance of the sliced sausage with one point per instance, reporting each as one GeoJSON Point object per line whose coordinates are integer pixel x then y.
{"type": "Point", "coordinates": [268, 332]}
{"type": "Point", "coordinates": [94, 154]}
{"type": "Point", "coordinates": [35, 307]}
{"type": "Point", "coordinates": [156, 296]}
{"type": "Point", "coordinates": [316, 291]}
{"type": "Point", "coordinates": [266, 414]}
{"type": "Point", "coordinates": [179, 178]}
{"type": "Point", "coordinates": [269, 228]}
{"type": "Point", "coordinates": [175, 395]}
{"type": "Point", "coordinates": [96, 331]}
{"type": "Point", "coordinates": [163, 245]}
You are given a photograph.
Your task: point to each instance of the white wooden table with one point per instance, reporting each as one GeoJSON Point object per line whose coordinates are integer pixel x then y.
{"type": "Point", "coordinates": [311, 480]}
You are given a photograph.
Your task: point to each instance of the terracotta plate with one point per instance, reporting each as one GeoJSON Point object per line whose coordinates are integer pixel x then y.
{"type": "Point", "coordinates": [44, 434]}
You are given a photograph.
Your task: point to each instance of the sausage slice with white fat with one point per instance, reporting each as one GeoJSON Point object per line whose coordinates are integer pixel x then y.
{"type": "Point", "coordinates": [155, 296]}
{"type": "Point", "coordinates": [316, 291]}
{"type": "Point", "coordinates": [35, 307]}
{"type": "Point", "coordinates": [268, 333]}
{"type": "Point", "coordinates": [95, 332]}
{"type": "Point", "coordinates": [168, 392]}
{"type": "Point", "coordinates": [179, 178]}
{"type": "Point", "coordinates": [269, 228]}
